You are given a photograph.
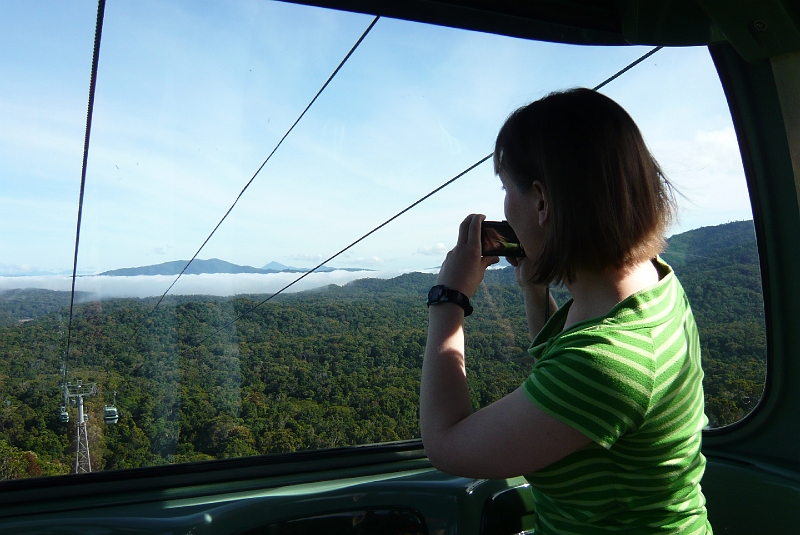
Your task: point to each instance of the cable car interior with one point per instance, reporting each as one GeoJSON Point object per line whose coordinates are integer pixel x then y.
{"type": "Point", "coordinates": [363, 127]}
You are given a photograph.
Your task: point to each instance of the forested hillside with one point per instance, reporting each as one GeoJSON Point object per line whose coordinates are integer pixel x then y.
{"type": "Point", "coordinates": [22, 305]}
{"type": "Point", "coordinates": [326, 368]}
{"type": "Point", "coordinates": [719, 269]}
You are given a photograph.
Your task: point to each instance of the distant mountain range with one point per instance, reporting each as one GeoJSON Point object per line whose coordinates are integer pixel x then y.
{"type": "Point", "coordinates": [214, 265]}
{"type": "Point", "coordinates": [703, 258]}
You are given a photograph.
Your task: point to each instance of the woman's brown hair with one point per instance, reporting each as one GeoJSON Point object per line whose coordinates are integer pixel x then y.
{"type": "Point", "coordinates": [610, 203]}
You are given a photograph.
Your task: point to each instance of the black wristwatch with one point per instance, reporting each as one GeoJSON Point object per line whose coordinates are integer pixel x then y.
{"type": "Point", "coordinates": [442, 294]}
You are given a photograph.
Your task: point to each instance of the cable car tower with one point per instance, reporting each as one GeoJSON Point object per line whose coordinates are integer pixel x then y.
{"type": "Point", "coordinates": [75, 393]}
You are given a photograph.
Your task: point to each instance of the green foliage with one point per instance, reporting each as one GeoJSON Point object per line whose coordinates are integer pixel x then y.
{"type": "Point", "coordinates": [22, 305]}
{"type": "Point", "coordinates": [13, 462]}
{"type": "Point", "coordinates": [17, 464]}
{"type": "Point", "coordinates": [321, 369]}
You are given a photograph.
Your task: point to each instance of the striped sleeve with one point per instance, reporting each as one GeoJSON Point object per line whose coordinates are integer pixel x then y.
{"type": "Point", "coordinates": [598, 386]}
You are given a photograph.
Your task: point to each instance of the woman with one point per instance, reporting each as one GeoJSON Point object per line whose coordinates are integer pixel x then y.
{"type": "Point", "coordinates": [607, 427]}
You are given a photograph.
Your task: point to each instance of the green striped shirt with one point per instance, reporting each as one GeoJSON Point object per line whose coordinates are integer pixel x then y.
{"type": "Point", "coordinates": [632, 382]}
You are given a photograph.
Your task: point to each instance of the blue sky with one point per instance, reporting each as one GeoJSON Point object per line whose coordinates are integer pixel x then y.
{"type": "Point", "coordinates": [192, 97]}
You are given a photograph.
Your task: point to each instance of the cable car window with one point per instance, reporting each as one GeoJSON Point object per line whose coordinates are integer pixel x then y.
{"type": "Point", "coordinates": [244, 351]}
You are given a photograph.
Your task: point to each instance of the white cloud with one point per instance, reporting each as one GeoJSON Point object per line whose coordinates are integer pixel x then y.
{"type": "Point", "coordinates": [707, 171]}
{"type": "Point", "coordinates": [221, 284]}
{"type": "Point", "coordinates": [316, 258]}
{"type": "Point", "coordinates": [366, 261]}
{"type": "Point", "coordinates": [17, 269]}
{"type": "Point", "coordinates": [433, 250]}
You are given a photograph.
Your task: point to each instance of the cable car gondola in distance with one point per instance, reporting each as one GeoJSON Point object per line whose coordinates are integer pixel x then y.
{"type": "Point", "coordinates": [110, 414]}
{"type": "Point", "coordinates": [753, 474]}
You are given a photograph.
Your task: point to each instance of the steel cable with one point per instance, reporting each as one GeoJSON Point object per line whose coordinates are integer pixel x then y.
{"type": "Point", "coordinates": [328, 81]}
{"type": "Point", "coordinates": [462, 173]}
{"type": "Point", "coordinates": [98, 32]}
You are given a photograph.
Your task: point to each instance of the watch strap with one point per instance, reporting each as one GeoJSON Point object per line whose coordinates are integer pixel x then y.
{"type": "Point", "coordinates": [442, 294]}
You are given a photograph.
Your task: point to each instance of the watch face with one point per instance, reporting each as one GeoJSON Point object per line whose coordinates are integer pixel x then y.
{"type": "Point", "coordinates": [435, 294]}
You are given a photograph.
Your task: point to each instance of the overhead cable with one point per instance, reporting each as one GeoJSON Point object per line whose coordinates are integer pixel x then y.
{"type": "Point", "coordinates": [359, 240]}
{"type": "Point", "coordinates": [328, 81]}
{"type": "Point", "coordinates": [627, 68]}
{"type": "Point", "coordinates": [459, 175]}
{"type": "Point", "coordinates": [98, 32]}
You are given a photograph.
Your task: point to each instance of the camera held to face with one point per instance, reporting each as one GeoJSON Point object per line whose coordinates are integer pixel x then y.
{"type": "Point", "coordinates": [499, 239]}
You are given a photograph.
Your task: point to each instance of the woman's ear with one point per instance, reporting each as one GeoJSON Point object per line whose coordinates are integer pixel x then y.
{"type": "Point", "coordinates": [541, 204]}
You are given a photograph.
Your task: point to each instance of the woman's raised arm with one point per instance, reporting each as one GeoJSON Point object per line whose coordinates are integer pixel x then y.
{"type": "Point", "coordinates": [508, 438]}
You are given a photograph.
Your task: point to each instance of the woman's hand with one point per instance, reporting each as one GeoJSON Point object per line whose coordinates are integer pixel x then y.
{"type": "Point", "coordinates": [464, 267]}
{"type": "Point", "coordinates": [523, 270]}
{"type": "Point", "coordinates": [539, 304]}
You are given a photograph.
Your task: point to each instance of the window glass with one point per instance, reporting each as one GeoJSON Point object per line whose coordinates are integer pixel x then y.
{"type": "Point", "coordinates": [191, 100]}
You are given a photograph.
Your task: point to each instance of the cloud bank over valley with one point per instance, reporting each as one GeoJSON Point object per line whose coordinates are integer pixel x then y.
{"type": "Point", "coordinates": [219, 284]}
